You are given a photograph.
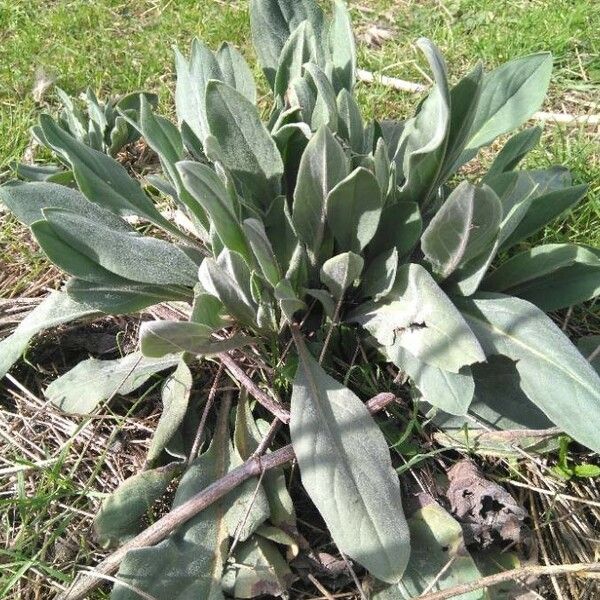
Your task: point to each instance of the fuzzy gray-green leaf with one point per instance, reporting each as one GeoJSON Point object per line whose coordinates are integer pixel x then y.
{"type": "Point", "coordinates": [353, 210]}
{"type": "Point", "coordinates": [92, 381]}
{"type": "Point", "coordinates": [552, 276]}
{"type": "Point", "coordinates": [120, 516]}
{"type": "Point", "coordinates": [421, 318]}
{"type": "Point", "coordinates": [247, 148]}
{"type": "Point", "coordinates": [101, 178]}
{"type": "Point", "coordinates": [346, 469]}
{"type": "Point", "coordinates": [509, 96]}
{"type": "Point", "coordinates": [464, 227]}
{"type": "Point", "coordinates": [175, 397]}
{"type": "Point", "coordinates": [56, 309]}
{"type": "Point", "coordinates": [158, 338]}
{"type": "Point", "coordinates": [205, 186]}
{"type": "Point", "coordinates": [235, 71]}
{"type": "Point", "coordinates": [322, 167]}
{"type": "Point", "coordinates": [129, 255]}
{"type": "Point", "coordinates": [550, 367]}
{"type": "Point", "coordinates": [340, 272]}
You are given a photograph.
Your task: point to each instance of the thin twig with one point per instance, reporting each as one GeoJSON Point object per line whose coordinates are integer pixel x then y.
{"type": "Point", "coordinates": [353, 574]}
{"type": "Point", "coordinates": [162, 528]}
{"type": "Point", "coordinates": [263, 398]}
{"type": "Point", "coordinates": [514, 574]}
{"type": "Point", "coordinates": [209, 402]}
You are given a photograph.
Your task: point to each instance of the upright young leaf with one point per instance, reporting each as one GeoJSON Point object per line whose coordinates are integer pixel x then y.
{"type": "Point", "coordinates": [340, 271]}
{"type": "Point", "coordinates": [464, 97]}
{"type": "Point", "coordinates": [247, 148]}
{"type": "Point", "coordinates": [324, 112]}
{"type": "Point", "coordinates": [272, 22]}
{"type": "Point", "coordinates": [346, 469]}
{"type": "Point", "coordinates": [322, 167]}
{"type": "Point", "coordinates": [300, 48]}
{"type": "Point", "coordinates": [167, 141]}
{"type": "Point", "coordinates": [190, 90]}
{"type": "Point", "coordinates": [92, 381]}
{"type": "Point", "coordinates": [353, 210]}
{"type": "Point", "coordinates": [514, 151]}
{"type": "Point", "coordinates": [263, 251]}
{"type": "Point", "coordinates": [418, 316]}
{"type": "Point", "coordinates": [205, 186]}
{"type": "Point", "coordinates": [57, 308]}
{"type": "Point", "coordinates": [342, 48]}
{"type": "Point", "coordinates": [463, 228]}
{"type": "Point", "coordinates": [350, 125]}
{"type": "Point", "coordinates": [553, 373]}
{"type": "Point", "coordinates": [235, 71]}
{"type": "Point", "coordinates": [509, 96]}
{"type": "Point", "coordinates": [421, 148]}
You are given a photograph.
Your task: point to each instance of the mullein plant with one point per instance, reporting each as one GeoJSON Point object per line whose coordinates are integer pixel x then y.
{"type": "Point", "coordinates": [311, 226]}
{"type": "Point", "coordinates": [103, 126]}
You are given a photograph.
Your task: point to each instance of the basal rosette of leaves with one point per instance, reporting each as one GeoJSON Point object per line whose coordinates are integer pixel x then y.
{"type": "Point", "coordinates": [312, 220]}
{"type": "Point", "coordinates": [102, 126]}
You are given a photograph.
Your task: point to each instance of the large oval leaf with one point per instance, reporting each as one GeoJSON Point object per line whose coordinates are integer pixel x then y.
{"type": "Point", "coordinates": [465, 227]}
{"type": "Point", "coordinates": [418, 316]}
{"type": "Point", "coordinates": [126, 254]}
{"type": "Point", "coordinates": [346, 468]}
{"type": "Point", "coordinates": [92, 381]}
{"type": "Point", "coordinates": [553, 373]}
{"type": "Point", "coordinates": [451, 392]}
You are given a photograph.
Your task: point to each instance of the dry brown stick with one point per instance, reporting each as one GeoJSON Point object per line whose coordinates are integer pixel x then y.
{"type": "Point", "coordinates": [410, 86]}
{"type": "Point", "coordinates": [162, 528]}
{"type": "Point", "coordinates": [263, 398]}
{"type": "Point", "coordinates": [513, 574]}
